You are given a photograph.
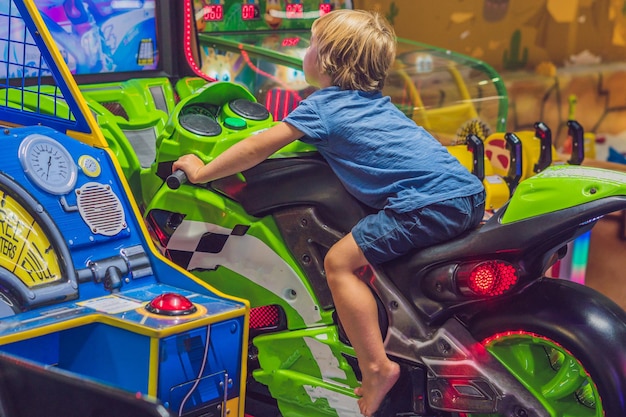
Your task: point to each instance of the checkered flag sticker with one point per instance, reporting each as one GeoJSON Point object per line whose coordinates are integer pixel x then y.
{"type": "Point", "coordinates": [200, 246]}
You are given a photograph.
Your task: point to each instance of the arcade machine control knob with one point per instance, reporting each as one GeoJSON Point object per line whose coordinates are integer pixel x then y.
{"type": "Point", "coordinates": [171, 304]}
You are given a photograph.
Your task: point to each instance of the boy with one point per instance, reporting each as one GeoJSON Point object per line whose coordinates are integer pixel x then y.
{"type": "Point", "coordinates": [423, 194]}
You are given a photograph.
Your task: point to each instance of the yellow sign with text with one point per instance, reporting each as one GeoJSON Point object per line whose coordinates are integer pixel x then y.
{"type": "Point", "coordinates": [24, 248]}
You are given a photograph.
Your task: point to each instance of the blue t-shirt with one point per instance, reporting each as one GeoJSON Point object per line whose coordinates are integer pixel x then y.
{"type": "Point", "coordinates": [381, 156]}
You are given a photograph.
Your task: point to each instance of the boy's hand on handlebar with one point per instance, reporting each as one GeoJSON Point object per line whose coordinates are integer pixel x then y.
{"type": "Point", "coordinates": [191, 165]}
{"type": "Point", "coordinates": [240, 156]}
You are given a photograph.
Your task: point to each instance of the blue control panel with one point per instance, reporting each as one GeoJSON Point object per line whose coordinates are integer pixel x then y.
{"type": "Point", "coordinates": [82, 290]}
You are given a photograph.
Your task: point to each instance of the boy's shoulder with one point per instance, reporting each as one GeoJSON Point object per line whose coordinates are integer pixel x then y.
{"type": "Point", "coordinates": [329, 94]}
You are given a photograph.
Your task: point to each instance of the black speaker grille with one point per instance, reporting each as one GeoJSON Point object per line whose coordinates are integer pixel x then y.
{"type": "Point", "coordinates": [249, 109]}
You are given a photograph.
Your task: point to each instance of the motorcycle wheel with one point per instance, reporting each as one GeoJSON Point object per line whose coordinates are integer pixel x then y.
{"type": "Point", "coordinates": [549, 371]}
{"type": "Point", "coordinates": [569, 354]}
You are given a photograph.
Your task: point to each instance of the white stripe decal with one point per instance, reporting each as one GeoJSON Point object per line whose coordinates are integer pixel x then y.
{"type": "Point", "coordinates": [326, 361]}
{"type": "Point", "coordinates": [345, 405]}
{"type": "Point", "coordinates": [251, 258]}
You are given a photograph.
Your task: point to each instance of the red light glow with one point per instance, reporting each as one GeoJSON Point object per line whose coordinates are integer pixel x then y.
{"type": "Point", "coordinates": [264, 316]}
{"type": "Point", "coordinates": [213, 13]}
{"type": "Point", "coordinates": [156, 232]}
{"type": "Point", "coordinates": [492, 278]}
{"type": "Point", "coordinates": [325, 8]}
{"type": "Point", "coordinates": [249, 12]}
{"type": "Point", "coordinates": [188, 44]}
{"type": "Point", "coordinates": [514, 334]}
{"type": "Point", "coordinates": [294, 11]}
{"type": "Point", "coordinates": [287, 42]}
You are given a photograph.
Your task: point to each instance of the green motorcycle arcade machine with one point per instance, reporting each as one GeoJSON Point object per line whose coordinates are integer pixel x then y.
{"type": "Point", "coordinates": [84, 294]}
{"type": "Point", "coordinates": [297, 360]}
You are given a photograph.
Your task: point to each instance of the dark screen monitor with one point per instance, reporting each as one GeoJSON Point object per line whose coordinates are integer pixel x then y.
{"type": "Point", "coordinates": [30, 390]}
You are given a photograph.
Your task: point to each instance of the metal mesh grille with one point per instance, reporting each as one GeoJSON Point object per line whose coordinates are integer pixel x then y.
{"type": "Point", "coordinates": [264, 317]}
{"type": "Point", "coordinates": [100, 209]}
{"type": "Point", "coordinates": [23, 64]}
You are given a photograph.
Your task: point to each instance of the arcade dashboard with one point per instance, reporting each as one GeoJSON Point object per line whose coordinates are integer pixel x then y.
{"type": "Point", "coordinates": [202, 119]}
{"type": "Point", "coordinates": [70, 235]}
{"type": "Point", "coordinates": [80, 289]}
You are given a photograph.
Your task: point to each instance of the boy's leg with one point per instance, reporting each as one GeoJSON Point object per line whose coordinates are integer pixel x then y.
{"type": "Point", "coordinates": [358, 313]}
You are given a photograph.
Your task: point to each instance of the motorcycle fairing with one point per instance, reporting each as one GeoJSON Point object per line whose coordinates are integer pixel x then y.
{"type": "Point", "coordinates": [562, 186]}
{"type": "Point", "coordinates": [308, 372]}
{"type": "Point", "coordinates": [294, 295]}
{"type": "Point", "coordinates": [263, 266]}
{"type": "Point", "coordinates": [311, 207]}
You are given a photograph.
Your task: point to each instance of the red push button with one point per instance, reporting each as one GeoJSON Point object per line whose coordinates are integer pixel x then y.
{"type": "Point", "coordinates": [171, 304]}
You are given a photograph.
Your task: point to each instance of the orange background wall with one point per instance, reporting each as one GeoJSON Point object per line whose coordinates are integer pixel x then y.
{"type": "Point", "coordinates": [547, 52]}
{"type": "Point", "coordinates": [514, 34]}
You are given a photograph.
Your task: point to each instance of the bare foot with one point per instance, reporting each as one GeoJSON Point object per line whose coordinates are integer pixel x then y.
{"type": "Point", "coordinates": [375, 385]}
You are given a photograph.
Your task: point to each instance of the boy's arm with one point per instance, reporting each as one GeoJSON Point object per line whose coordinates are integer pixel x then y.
{"type": "Point", "coordinates": [239, 157]}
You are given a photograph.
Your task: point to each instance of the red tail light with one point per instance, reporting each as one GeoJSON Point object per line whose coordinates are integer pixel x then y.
{"type": "Point", "coordinates": [487, 279]}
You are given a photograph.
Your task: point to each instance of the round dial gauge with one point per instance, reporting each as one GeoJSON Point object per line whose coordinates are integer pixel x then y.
{"type": "Point", "coordinates": [48, 164]}
{"type": "Point", "coordinates": [89, 165]}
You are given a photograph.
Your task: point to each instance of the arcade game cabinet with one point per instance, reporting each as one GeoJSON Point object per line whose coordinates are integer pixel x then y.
{"type": "Point", "coordinates": [83, 292]}
{"type": "Point", "coordinates": [261, 44]}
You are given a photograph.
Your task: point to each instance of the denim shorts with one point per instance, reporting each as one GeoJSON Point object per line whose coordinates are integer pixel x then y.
{"type": "Point", "coordinates": [386, 235]}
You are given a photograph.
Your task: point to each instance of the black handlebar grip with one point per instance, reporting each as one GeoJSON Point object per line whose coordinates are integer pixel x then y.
{"type": "Point", "coordinates": [177, 178]}
{"type": "Point", "coordinates": [544, 134]}
{"type": "Point", "coordinates": [576, 131]}
{"type": "Point", "coordinates": [476, 146]}
{"type": "Point", "coordinates": [514, 146]}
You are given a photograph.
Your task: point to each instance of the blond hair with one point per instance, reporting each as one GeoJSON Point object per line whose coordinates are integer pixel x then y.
{"type": "Point", "coordinates": [356, 48]}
